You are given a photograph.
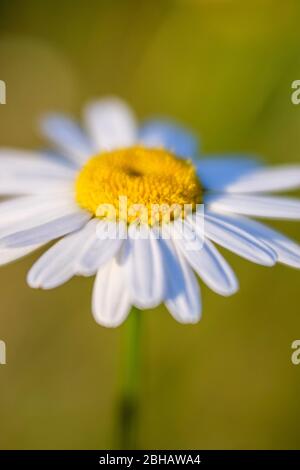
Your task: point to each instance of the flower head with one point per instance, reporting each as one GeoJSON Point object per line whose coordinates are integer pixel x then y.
{"type": "Point", "coordinates": [147, 251]}
{"type": "Point", "coordinates": [144, 176]}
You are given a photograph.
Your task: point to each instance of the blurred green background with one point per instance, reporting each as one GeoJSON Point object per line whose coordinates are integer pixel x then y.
{"type": "Point", "coordinates": [225, 69]}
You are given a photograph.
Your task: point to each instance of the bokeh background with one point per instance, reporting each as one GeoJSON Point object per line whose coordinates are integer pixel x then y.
{"type": "Point", "coordinates": [225, 69]}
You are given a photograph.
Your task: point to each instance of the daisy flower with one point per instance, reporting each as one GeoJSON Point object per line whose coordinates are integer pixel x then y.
{"type": "Point", "coordinates": [57, 195]}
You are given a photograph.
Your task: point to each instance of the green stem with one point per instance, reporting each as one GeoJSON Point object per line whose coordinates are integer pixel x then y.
{"type": "Point", "coordinates": [129, 412]}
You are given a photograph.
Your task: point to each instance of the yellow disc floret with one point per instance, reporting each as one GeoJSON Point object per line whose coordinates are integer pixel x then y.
{"type": "Point", "coordinates": [138, 183]}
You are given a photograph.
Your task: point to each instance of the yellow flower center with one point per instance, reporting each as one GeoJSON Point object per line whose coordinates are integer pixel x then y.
{"type": "Point", "coordinates": [137, 183]}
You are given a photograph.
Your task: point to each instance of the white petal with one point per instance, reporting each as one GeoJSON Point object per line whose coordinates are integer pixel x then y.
{"type": "Point", "coordinates": [288, 251]}
{"type": "Point", "coordinates": [183, 298]}
{"type": "Point", "coordinates": [145, 269]}
{"type": "Point", "coordinates": [29, 173]}
{"type": "Point", "coordinates": [256, 206]}
{"type": "Point", "coordinates": [110, 123]}
{"type": "Point", "coordinates": [58, 264]}
{"type": "Point", "coordinates": [15, 187]}
{"type": "Point", "coordinates": [267, 180]}
{"type": "Point", "coordinates": [55, 157]}
{"type": "Point", "coordinates": [20, 213]}
{"type": "Point", "coordinates": [210, 266]}
{"type": "Point", "coordinates": [239, 241]}
{"type": "Point", "coordinates": [218, 173]}
{"type": "Point", "coordinates": [7, 255]}
{"type": "Point", "coordinates": [97, 250]}
{"type": "Point", "coordinates": [170, 136]}
{"type": "Point", "coordinates": [24, 163]}
{"type": "Point", "coordinates": [111, 302]}
{"type": "Point", "coordinates": [68, 137]}
{"type": "Point", "coordinates": [62, 224]}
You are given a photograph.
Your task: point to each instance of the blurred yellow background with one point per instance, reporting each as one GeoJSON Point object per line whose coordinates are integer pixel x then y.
{"type": "Point", "coordinates": [225, 69]}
